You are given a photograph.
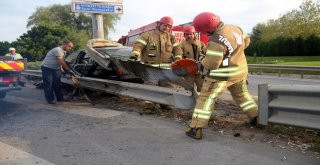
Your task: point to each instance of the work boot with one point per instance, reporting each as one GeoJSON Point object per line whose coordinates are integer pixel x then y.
{"type": "Point", "coordinates": [253, 121]}
{"type": "Point", "coordinates": [195, 133]}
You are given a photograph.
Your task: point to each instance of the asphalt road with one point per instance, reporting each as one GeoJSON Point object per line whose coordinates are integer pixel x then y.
{"type": "Point", "coordinates": [33, 132]}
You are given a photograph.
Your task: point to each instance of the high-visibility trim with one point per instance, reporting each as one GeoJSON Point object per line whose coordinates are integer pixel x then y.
{"type": "Point", "coordinates": [176, 44]}
{"type": "Point", "coordinates": [5, 66]}
{"type": "Point", "coordinates": [178, 56]}
{"type": "Point", "coordinates": [249, 107]}
{"type": "Point", "coordinates": [246, 103]}
{"type": "Point", "coordinates": [20, 64]}
{"type": "Point", "coordinates": [214, 53]}
{"type": "Point", "coordinates": [135, 52]}
{"type": "Point", "coordinates": [228, 72]}
{"type": "Point", "coordinates": [141, 41]}
{"type": "Point", "coordinates": [199, 116]}
{"type": "Point", "coordinates": [250, 103]}
{"type": "Point", "coordinates": [12, 65]}
{"type": "Point", "coordinates": [163, 65]}
{"type": "Point", "coordinates": [229, 69]}
{"type": "Point", "coordinates": [211, 99]}
{"type": "Point", "coordinates": [200, 111]}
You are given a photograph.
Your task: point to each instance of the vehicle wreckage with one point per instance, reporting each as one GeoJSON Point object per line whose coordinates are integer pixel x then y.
{"type": "Point", "coordinates": [103, 66]}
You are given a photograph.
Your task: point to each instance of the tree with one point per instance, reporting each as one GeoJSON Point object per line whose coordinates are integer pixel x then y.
{"type": "Point", "coordinates": [297, 22]}
{"type": "Point", "coordinates": [40, 39]}
{"type": "Point", "coordinates": [4, 47]}
{"type": "Point", "coordinates": [61, 15]}
{"type": "Point", "coordinates": [294, 33]}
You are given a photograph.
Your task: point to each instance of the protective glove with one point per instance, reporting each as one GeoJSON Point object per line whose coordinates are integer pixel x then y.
{"type": "Point", "coordinates": [201, 57]}
{"type": "Point", "coordinates": [203, 71]}
{"type": "Point", "coordinates": [133, 58]}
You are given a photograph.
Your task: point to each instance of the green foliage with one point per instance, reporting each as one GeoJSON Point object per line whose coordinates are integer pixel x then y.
{"type": "Point", "coordinates": [61, 15]}
{"type": "Point", "coordinates": [40, 39]}
{"type": "Point", "coordinates": [285, 60]}
{"type": "Point", "coordinates": [282, 46]}
{"type": "Point", "coordinates": [303, 60]}
{"type": "Point", "coordinates": [317, 145]}
{"type": "Point", "coordinates": [52, 25]}
{"type": "Point", "coordinates": [34, 65]}
{"type": "Point", "coordinates": [294, 33]}
{"type": "Point", "coordinates": [4, 47]}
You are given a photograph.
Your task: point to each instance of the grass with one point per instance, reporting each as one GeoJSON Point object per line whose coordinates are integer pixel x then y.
{"type": "Point", "coordinates": [285, 60]}
{"type": "Point", "coordinates": [34, 65]}
{"type": "Point", "coordinates": [317, 145]}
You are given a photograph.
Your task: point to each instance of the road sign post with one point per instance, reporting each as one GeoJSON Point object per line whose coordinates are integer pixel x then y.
{"type": "Point", "coordinates": [97, 7]}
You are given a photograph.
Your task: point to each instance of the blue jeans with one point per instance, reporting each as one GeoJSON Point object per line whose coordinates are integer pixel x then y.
{"type": "Point", "coordinates": [52, 83]}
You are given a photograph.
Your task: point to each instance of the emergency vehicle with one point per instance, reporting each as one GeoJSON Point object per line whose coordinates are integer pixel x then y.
{"type": "Point", "coordinates": [177, 31]}
{"type": "Point", "coordinates": [10, 71]}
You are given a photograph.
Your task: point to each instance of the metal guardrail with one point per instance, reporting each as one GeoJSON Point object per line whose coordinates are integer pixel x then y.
{"type": "Point", "coordinates": [181, 98]}
{"type": "Point", "coordinates": [285, 67]}
{"type": "Point", "coordinates": [295, 105]}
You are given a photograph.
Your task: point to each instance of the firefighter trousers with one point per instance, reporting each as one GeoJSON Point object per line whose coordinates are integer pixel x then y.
{"type": "Point", "coordinates": [197, 79]}
{"type": "Point", "coordinates": [210, 92]}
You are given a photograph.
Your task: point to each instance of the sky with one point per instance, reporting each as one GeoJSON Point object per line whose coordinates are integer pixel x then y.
{"type": "Point", "coordinates": [136, 13]}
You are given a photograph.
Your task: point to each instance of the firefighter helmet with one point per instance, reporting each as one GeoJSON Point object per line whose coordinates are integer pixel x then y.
{"type": "Point", "coordinates": [189, 30]}
{"type": "Point", "coordinates": [206, 22]}
{"type": "Point", "coordinates": [166, 20]}
{"type": "Point", "coordinates": [184, 67]}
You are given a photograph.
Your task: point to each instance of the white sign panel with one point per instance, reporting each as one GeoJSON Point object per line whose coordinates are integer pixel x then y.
{"type": "Point", "coordinates": [96, 8]}
{"type": "Point", "coordinates": [99, 1]}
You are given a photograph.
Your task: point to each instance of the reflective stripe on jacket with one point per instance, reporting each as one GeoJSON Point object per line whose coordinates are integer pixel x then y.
{"type": "Point", "coordinates": [155, 47]}
{"type": "Point", "coordinates": [225, 53]}
{"type": "Point", "coordinates": [191, 50]}
{"type": "Point", "coordinates": [16, 56]}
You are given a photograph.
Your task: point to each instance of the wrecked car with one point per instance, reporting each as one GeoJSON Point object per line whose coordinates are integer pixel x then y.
{"type": "Point", "coordinates": [101, 60]}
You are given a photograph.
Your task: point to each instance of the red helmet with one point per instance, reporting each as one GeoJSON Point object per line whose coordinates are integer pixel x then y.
{"type": "Point", "coordinates": [166, 20]}
{"type": "Point", "coordinates": [189, 30]}
{"type": "Point", "coordinates": [206, 22]}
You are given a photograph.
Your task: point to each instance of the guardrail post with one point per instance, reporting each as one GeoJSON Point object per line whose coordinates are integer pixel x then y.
{"type": "Point", "coordinates": [301, 73]}
{"type": "Point", "coordinates": [279, 73]}
{"type": "Point", "coordinates": [263, 99]}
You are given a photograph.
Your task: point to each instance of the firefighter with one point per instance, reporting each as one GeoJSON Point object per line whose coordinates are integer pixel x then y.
{"type": "Point", "coordinates": [192, 48]}
{"type": "Point", "coordinates": [227, 69]}
{"type": "Point", "coordinates": [12, 53]}
{"type": "Point", "coordinates": [157, 48]}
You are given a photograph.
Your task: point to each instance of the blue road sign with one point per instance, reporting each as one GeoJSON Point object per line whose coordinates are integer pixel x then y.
{"type": "Point", "coordinates": [96, 8]}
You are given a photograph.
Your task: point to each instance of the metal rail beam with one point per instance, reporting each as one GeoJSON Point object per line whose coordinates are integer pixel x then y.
{"type": "Point", "coordinates": [295, 105]}
{"type": "Point", "coordinates": [178, 98]}
{"type": "Point", "coordinates": [302, 69]}
{"type": "Point", "coordinates": [285, 67]}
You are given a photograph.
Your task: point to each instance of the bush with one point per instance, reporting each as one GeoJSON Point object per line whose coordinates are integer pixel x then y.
{"type": "Point", "coordinates": [34, 65]}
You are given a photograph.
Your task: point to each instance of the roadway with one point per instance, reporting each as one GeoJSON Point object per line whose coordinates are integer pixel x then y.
{"type": "Point", "coordinates": [33, 132]}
